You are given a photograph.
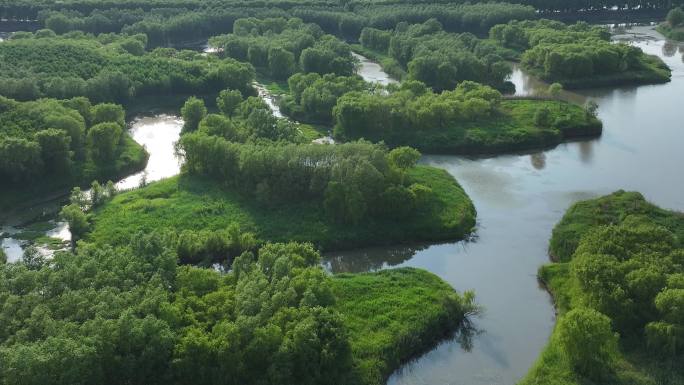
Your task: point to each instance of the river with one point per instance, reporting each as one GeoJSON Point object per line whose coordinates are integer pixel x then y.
{"type": "Point", "coordinates": [519, 198]}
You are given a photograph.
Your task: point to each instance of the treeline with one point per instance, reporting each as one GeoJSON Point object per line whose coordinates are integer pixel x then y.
{"type": "Point", "coordinates": [352, 181]}
{"type": "Point", "coordinates": [50, 140]}
{"type": "Point", "coordinates": [282, 47]}
{"type": "Point", "coordinates": [394, 116]}
{"type": "Point", "coordinates": [673, 27]}
{"type": "Point", "coordinates": [621, 270]}
{"type": "Point", "coordinates": [578, 55]}
{"type": "Point", "coordinates": [109, 68]}
{"type": "Point", "coordinates": [179, 22]}
{"type": "Point", "coordinates": [440, 59]}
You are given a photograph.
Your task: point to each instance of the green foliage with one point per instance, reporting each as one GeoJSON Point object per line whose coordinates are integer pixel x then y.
{"type": "Point", "coordinates": [420, 310]}
{"type": "Point", "coordinates": [228, 100]}
{"type": "Point", "coordinates": [282, 47]}
{"type": "Point", "coordinates": [623, 262]}
{"type": "Point", "coordinates": [193, 112]}
{"type": "Point", "coordinates": [99, 68]}
{"type": "Point", "coordinates": [44, 146]}
{"type": "Point", "coordinates": [470, 119]}
{"type": "Point", "coordinates": [675, 17]}
{"type": "Point", "coordinates": [587, 338]}
{"type": "Point", "coordinates": [312, 97]}
{"type": "Point", "coordinates": [77, 220]}
{"type": "Point", "coordinates": [131, 315]}
{"type": "Point", "coordinates": [578, 55]}
{"type": "Point", "coordinates": [189, 203]}
{"type": "Point", "coordinates": [439, 59]}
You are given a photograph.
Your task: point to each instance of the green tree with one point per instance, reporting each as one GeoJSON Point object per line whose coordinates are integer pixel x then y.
{"type": "Point", "coordinates": [403, 158]}
{"type": "Point", "coordinates": [77, 220]}
{"type": "Point", "coordinates": [675, 17]}
{"type": "Point", "coordinates": [54, 150]}
{"type": "Point", "coordinates": [108, 112]}
{"type": "Point", "coordinates": [103, 140]}
{"type": "Point", "coordinates": [585, 335]}
{"type": "Point", "coordinates": [542, 117]}
{"type": "Point", "coordinates": [228, 100]}
{"type": "Point", "coordinates": [281, 62]}
{"type": "Point", "coordinates": [193, 112]}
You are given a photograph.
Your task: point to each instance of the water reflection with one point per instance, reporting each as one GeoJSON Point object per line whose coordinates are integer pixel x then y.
{"type": "Point", "coordinates": [372, 72]}
{"type": "Point", "coordinates": [519, 198]}
{"type": "Point", "coordinates": [370, 259]}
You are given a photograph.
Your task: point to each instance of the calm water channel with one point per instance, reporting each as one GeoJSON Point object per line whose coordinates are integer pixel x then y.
{"type": "Point", "coordinates": [519, 198]}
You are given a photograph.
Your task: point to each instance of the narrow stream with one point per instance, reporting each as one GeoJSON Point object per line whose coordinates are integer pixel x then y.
{"type": "Point", "coordinates": [519, 198]}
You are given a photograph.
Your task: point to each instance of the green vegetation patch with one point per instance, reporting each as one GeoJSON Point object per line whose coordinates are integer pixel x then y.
{"type": "Point", "coordinates": [471, 119]}
{"type": "Point", "coordinates": [393, 315]}
{"type": "Point", "coordinates": [579, 55]}
{"type": "Point", "coordinates": [619, 292]}
{"type": "Point", "coordinates": [192, 202]}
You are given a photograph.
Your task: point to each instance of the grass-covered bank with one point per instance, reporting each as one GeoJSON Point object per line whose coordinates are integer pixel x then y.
{"type": "Point", "coordinates": [394, 315]}
{"type": "Point", "coordinates": [673, 27]}
{"type": "Point", "coordinates": [193, 202]}
{"type": "Point", "coordinates": [618, 290]}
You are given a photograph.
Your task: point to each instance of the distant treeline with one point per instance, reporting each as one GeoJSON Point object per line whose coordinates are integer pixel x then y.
{"type": "Point", "coordinates": [174, 23]}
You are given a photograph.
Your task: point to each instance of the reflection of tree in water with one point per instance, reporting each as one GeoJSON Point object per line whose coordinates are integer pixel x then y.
{"type": "Point", "coordinates": [370, 259]}
{"type": "Point", "coordinates": [538, 160]}
{"type": "Point", "coordinates": [586, 151]}
{"type": "Point", "coordinates": [669, 48]}
{"type": "Point", "coordinates": [466, 334]}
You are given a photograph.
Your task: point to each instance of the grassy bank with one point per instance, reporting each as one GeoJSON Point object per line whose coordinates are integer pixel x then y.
{"type": "Point", "coordinates": [676, 33]}
{"type": "Point", "coordinates": [190, 202]}
{"type": "Point", "coordinates": [131, 158]}
{"type": "Point", "coordinates": [617, 249]}
{"type": "Point", "coordinates": [511, 129]}
{"type": "Point", "coordinates": [394, 315]}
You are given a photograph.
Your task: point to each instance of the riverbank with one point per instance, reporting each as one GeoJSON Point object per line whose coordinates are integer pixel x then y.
{"type": "Point", "coordinates": [395, 315]}
{"type": "Point", "coordinates": [671, 33]}
{"type": "Point", "coordinates": [191, 202]}
{"type": "Point", "coordinates": [590, 274]}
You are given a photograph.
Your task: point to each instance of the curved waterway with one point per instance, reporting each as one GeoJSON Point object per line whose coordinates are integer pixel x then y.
{"type": "Point", "coordinates": [157, 133]}
{"type": "Point", "coordinates": [519, 198]}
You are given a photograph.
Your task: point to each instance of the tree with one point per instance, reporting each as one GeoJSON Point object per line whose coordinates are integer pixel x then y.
{"type": "Point", "coordinates": [585, 335]}
{"type": "Point", "coordinates": [108, 112]}
{"type": "Point", "coordinates": [103, 140]}
{"type": "Point", "coordinates": [228, 100]}
{"type": "Point", "coordinates": [404, 158]}
{"type": "Point", "coordinates": [281, 62]}
{"type": "Point", "coordinates": [542, 117]}
{"type": "Point", "coordinates": [59, 23]}
{"type": "Point", "coordinates": [555, 90]}
{"type": "Point", "coordinates": [32, 258]}
{"type": "Point", "coordinates": [77, 220]}
{"type": "Point", "coordinates": [591, 108]}
{"type": "Point", "coordinates": [193, 112]}
{"type": "Point", "coordinates": [675, 17]}
{"type": "Point", "coordinates": [54, 150]}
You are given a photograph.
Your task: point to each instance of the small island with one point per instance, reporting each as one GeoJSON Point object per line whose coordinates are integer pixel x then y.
{"type": "Point", "coordinates": [618, 285]}
{"type": "Point", "coordinates": [472, 119]}
{"type": "Point", "coordinates": [578, 55]}
{"type": "Point", "coordinates": [673, 27]}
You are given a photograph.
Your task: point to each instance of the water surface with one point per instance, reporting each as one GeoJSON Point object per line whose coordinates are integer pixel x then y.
{"type": "Point", "coordinates": [519, 198]}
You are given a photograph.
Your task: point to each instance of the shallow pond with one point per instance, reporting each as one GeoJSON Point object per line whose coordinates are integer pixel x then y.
{"type": "Point", "coordinates": [519, 198]}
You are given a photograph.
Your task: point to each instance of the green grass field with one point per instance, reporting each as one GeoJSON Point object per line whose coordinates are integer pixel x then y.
{"type": "Point", "coordinates": [190, 202]}
{"type": "Point", "coordinates": [394, 315]}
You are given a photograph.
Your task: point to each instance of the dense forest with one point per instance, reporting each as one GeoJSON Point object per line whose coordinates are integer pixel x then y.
{"type": "Point", "coordinates": [280, 47]}
{"type": "Point", "coordinates": [619, 285]}
{"type": "Point", "coordinates": [109, 67]}
{"type": "Point", "coordinates": [470, 119]}
{"type": "Point", "coordinates": [440, 59]}
{"type": "Point", "coordinates": [579, 55]}
{"type": "Point", "coordinates": [131, 314]}
{"type": "Point", "coordinates": [51, 144]}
